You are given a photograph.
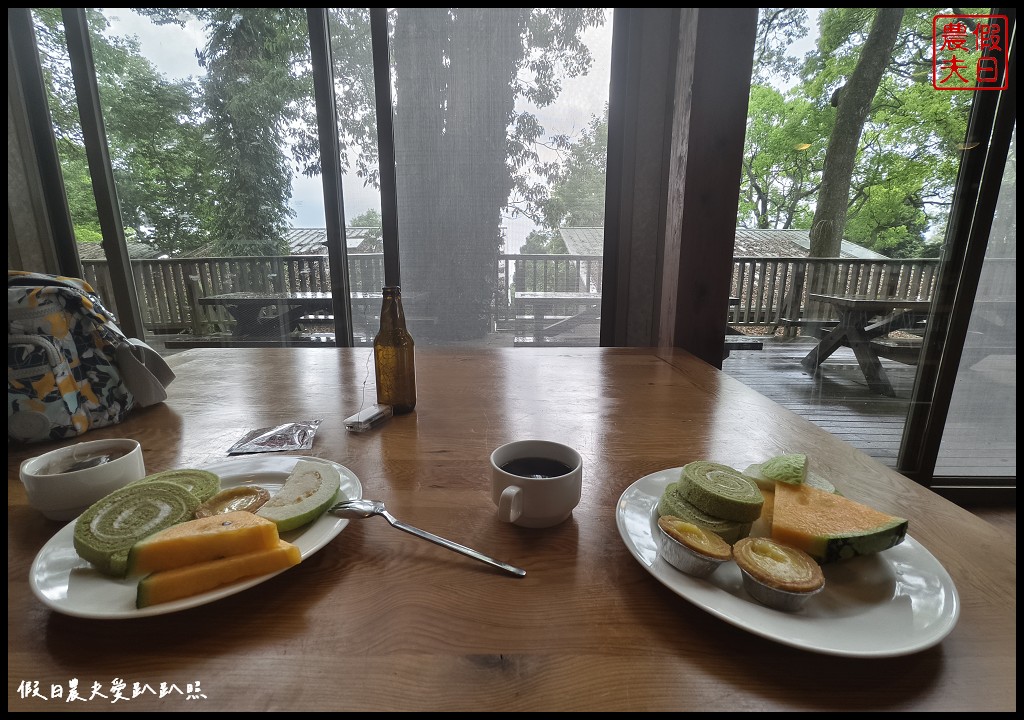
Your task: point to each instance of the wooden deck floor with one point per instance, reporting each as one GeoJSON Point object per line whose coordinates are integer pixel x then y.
{"type": "Point", "coordinates": [836, 399]}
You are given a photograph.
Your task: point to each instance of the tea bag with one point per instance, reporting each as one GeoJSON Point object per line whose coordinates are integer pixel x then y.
{"type": "Point", "coordinates": [289, 436]}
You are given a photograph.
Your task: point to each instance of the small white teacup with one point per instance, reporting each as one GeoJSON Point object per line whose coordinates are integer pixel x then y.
{"type": "Point", "coordinates": [536, 483]}
{"type": "Point", "coordinates": [63, 483]}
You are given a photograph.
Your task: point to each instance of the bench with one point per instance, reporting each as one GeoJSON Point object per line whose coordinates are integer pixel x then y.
{"type": "Point", "coordinates": [741, 342]}
{"type": "Point", "coordinates": [554, 341]}
{"type": "Point", "coordinates": [903, 350]}
{"type": "Point", "coordinates": [816, 325]}
{"type": "Point", "coordinates": [186, 342]}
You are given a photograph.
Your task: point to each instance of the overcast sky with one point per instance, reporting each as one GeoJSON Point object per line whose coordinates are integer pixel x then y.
{"type": "Point", "coordinates": [172, 51]}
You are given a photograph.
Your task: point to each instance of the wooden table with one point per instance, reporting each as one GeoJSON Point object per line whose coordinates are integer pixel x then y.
{"type": "Point", "coordinates": [275, 315]}
{"type": "Point", "coordinates": [861, 319]}
{"type": "Point", "coordinates": [380, 620]}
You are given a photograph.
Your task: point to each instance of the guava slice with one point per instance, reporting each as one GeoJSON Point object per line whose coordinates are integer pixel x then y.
{"type": "Point", "coordinates": [307, 493]}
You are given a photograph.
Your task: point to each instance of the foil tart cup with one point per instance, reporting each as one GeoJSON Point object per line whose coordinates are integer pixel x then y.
{"type": "Point", "coordinates": [686, 559]}
{"type": "Point", "coordinates": [774, 597]}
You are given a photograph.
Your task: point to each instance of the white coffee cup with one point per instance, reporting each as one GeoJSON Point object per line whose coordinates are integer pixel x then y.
{"type": "Point", "coordinates": [536, 483]}
{"type": "Point", "coordinates": [63, 483]}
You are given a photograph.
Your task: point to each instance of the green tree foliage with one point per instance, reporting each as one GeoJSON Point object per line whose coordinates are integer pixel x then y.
{"type": "Point", "coordinates": [260, 117]}
{"type": "Point", "coordinates": [351, 51]}
{"type": "Point", "coordinates": [160, 165]}
{"type": "Point", "coordinates": [777, 30]}
{"type": "Point", "coordinates": [570, 192]}
{"type": "Point", "coordinates": [909, 149]}
{"type": "Point", "coordinates": [543, 242]}
{"type": "Point", "coordinates": [782, 160]}
{"type": "Point", "coordinates": [852, 102]}
{"type": "Point", "coordinates": [374, 237]}
{"type": "Point", "coordinates": [252, 88]}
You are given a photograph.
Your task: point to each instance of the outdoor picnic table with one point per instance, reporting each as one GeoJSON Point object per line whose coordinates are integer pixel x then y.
{"type": "Point", "coordinates": [862, 319]}
{"type": "Point", "coordinates": [540, 306]}
{"type": "Point", "coordinates": [277, 314]}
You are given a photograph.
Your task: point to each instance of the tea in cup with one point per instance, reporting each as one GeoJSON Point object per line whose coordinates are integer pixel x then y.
{"type": "Point", "coordinates": [63, 483]}
{"type": "Point", "coordinates": [536, 483]}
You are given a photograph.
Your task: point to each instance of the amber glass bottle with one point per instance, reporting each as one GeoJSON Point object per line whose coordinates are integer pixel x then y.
{"type": "Point", "coordinates": [394, 355]}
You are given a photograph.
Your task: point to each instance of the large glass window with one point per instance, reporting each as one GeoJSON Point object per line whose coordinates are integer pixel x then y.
{"type": "Point", "coordinates": [980, 436]}
{"type": "Point", "coordinates": [212, 128]}
{"type": "Point", "coordinates": [850, 167]}
{"type": "Point", "coordinates": [214, 122]}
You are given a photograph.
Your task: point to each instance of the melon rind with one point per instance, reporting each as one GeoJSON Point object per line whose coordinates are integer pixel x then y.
{"type": "Point", "coordinates": [310, 489]}
{"type": "Point", "coordinates": [788, 468]}
{"type": "Point", "coordinates": [754, 472]}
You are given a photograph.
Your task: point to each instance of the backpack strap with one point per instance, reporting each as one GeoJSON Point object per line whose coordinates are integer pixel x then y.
{"type": "Point", "coordinates": [144, 371]}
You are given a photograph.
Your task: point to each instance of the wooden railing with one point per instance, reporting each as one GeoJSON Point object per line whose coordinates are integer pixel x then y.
{"type": "Point", "coordinates": [772, 291]}
{"type": "Point", "coordinates": [168, 289]}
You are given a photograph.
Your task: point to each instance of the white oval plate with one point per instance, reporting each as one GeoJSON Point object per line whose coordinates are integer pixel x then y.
{"type": "Point", "coordinates": [70, 585]}
{"type": "Point", "coordinates": [896, 602]}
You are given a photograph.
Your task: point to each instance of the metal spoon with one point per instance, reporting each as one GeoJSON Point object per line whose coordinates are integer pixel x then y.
{"type": "Point", "coordinates": [358, 509]}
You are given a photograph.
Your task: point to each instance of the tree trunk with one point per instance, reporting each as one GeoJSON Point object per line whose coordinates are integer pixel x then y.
{"type": "Point", "coordinates": [454, 102]}
{"type": "Point", "coordinates": [851, 114]}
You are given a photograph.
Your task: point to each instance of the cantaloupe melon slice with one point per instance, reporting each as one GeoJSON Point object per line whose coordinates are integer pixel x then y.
{"type": "Point", "coordinates": [169, 585]}
{"type": "Point", "coordinates": [830, 527]}
{"type": "Point", "coordinates": [208, 538]}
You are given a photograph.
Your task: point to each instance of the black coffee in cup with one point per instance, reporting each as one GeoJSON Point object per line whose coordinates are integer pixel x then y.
{"type": "Point", "coordinates": [536, 467]}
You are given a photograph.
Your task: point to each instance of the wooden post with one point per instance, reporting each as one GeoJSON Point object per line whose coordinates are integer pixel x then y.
{"type": "Point", "coordinates": [792, 309]}
{"type": "Point", "coordinates": [194, 288]}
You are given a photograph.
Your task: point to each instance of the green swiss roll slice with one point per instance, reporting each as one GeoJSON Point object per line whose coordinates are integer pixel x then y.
{"type": "Point", "coordinates": [105, 533]}
{"type": "Point", "coordinates": [201, 483]}
{"type": "Point", "coordinates": [672, 503]}
{"type": "Point", "coordinates": [720, 491]}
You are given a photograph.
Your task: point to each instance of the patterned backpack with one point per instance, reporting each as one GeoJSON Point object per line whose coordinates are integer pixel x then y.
{"type": "Point", "coordinates": [70, 368]}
